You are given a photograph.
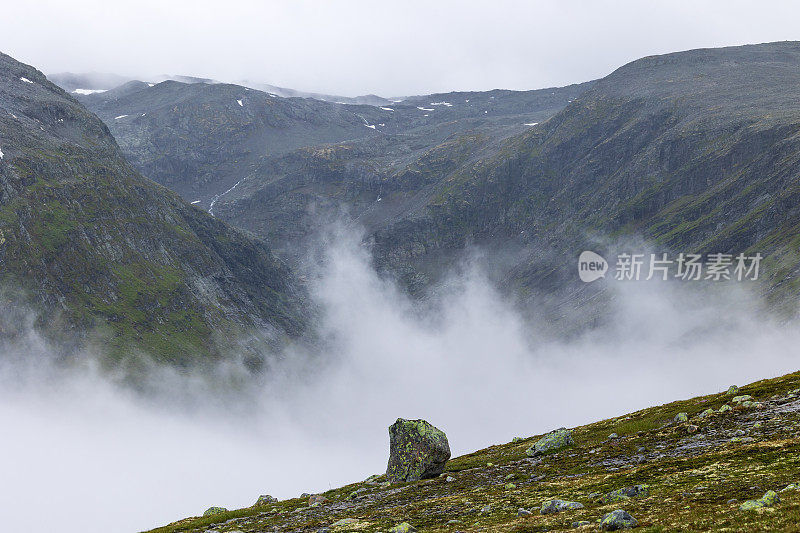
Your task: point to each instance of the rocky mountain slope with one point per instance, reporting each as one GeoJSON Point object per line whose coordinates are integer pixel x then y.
{"type": "Point", "coordinates": [98, 249]}
{"type": "Point", "coordinates": [722, 462]}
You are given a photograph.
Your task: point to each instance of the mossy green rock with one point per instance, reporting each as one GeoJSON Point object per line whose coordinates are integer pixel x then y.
{"type": "Point", "coordinates": [681, 417]}
{"type": "Point", "coordinates": [635, 491]}
{"type": "Point", "coordinates": [732, 390]}
{"type": "Point", "coordinates": [265, 499]}
{"type": "Point", "coordinates": [725, 408]}
{"type": "Point", "coordinates": [552, 441]}
{"type": "Point", "coordinates": [417, 450]}
{"type": "Point", "coordinates": [616, 520]}
{"type": "Point", "coordinates": [769, 499]}
{"type": "Point", "coordinates": [556, 506]}
{"type": "Point", "coordinates": [742, 398]}
{"type": "Point", "coordinates": [214, 510]}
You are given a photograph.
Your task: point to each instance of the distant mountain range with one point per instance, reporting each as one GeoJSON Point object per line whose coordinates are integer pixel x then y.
{"type": "Point", "coordinates": [695, 151]}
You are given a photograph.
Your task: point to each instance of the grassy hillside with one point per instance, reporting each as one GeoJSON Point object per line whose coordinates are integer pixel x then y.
{"type": "Point", "coordinates": [99, 250]}
{"type": "Point", "coordinates": [698, 471]}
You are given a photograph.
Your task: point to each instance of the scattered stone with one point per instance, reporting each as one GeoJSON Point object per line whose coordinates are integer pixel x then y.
{"type": "Point", "coordinates": [691, 428]}
{"type": "Point", "coordinates": [732, 500]}
{"type": "Point", "coordinates": [618, 519]}
{"type": "Point", "coordinates": [725, 408]}
{"type": "Point", "coordinates": [489, 464]}
{"type": "Point", "coordinates": [681, 417]}
{"type": "Point", "coordinates": [316, 499]}
{"type": "Point", "coordinates": [524, 512]}
{"type": "Point", "coordinates": [453, 522]}
{"type": "Point", "coordinates": [373, 479]}
{"type": "Point", "coordinates": [791, 486]}
{"type": "Point", "coordinates": [707, 412]}
{"type": "Point", "coordinates": [355, 494]}
{"type": "Point", "coordinates": [349, 523]}
{"type": "Point", "coordinates": [518, 439]}
{"type": "Point", "coordinates": [264, 499]}
{"type": "Point", "coordinates": [417, 450]}
{"type": "Point", "coordinates": [580, 523]}
{"type": "Point", "coordinates": [769, 499]}
{"type": "Point", "coordinates": [510, 486]}
{"type": "Point", "coordinates": [450, 479]}
{"type": "Point", "coordinates": [733, 390]}
{"type": "Point", "coordinates": [613, 436]}
{"type": "Point", "coordinates": [486, 509]}
{"type": "Point", "coordinates": [742, 398]}
{"type": "Point", "coordinates": [626, 493]}
{"type": "Point", "coordinates": [405, 527]}
{"type": "Point", "coordinates": [556, 506]}
{"type": "Point", "coordinates": [552, 441]}
{"type": "Point", "coordinates": [214, 510]}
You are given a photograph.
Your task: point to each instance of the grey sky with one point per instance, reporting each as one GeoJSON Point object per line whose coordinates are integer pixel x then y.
{"type": "Point", "coordinates": [355, 47]}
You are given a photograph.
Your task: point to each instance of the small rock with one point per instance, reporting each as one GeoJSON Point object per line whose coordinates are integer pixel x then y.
{"type": "Point", "coordinates": [405, 527]}
{"type": "Point", "coordinates": [732, 500]}
{"type": "Point", "coordinates": [316, 499]}
{"type": "Point", "coordinates": [732, 390]}
{"type": "Point", "coordinates": [453, 522]}
{"type": "Point", "coordinates": [618, 519]}
{"type": "Point", "coordinates": [792, 486]}
{"type": "Point", "coordinates": [518, 439]}
{"type": "Point", "coordinates": [486, 509]}
{"type": "Point", "coordinates": [725, 408]}
{"type": "Point", "coordinates": [691, 428]}
{"type": "Point", "coordinates": [625, 493]}
{"type": "Point", "coordinates": [742, 398]}
{"type": "Point", "coordinates": [264, 499]}
{"type": "Point", "coordinates": [510, 486]}
{"type": "Point", "coordinates": [417, 450]}
{"type": "Point", "coordinates": [552, 441]}
{"type": "Point", "coordinates": [707, 412]}
{"type": "Point", "coordinates": [373, 479]}
{"type": "Point", "coordinates": [556, 506]}
{"type": "Point", "coordinates": [450, 479]}
{"type": "Point", "coordinates": [524, 512]}
{"type": "Point", "coordinates": [613, 436]}
{"type": "Point", "coordinates": [214, 510]}
{"type": "Point", "coordinates": [580, 523]}
{"type": "Point", "coordinates": [769, 499]}
{"type": "Point", "coordinates": [681, 417]}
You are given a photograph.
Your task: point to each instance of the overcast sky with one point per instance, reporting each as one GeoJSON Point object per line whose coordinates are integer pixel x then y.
{"type": "Point", "coordinates": [403, 47]}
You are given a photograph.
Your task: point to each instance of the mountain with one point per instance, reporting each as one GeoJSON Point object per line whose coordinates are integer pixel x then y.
{"type": "Point", "coordinates": [702, 464]}
{"type": "Point", "coordinates": [275, 165]}
{"type": "Point", "coordinates": [696, 151]}
{"type": "Point", "coordinates": [101, 251]}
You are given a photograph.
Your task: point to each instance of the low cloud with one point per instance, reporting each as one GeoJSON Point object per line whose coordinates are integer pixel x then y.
{"type": "Point", "coordinates": [82, 453]}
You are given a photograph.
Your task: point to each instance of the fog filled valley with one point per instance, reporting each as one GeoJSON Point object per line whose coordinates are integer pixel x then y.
{"type": "Point", "coordinates": [465, 360]}
{"type": "Point", "coordinates": [214, 291]}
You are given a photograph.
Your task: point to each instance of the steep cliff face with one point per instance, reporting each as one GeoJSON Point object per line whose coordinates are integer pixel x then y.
{"type": "Point", "coordinates": [97, 247]}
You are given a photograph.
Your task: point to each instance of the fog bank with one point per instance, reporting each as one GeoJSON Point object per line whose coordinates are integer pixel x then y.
{"type": "Point", "coordinates": [83, 454]}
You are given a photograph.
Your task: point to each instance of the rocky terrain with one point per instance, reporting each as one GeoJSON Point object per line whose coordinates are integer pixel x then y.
{"type": "Point", "coordinates": [99, 251]}
{"type": "Point", "coordinates": [723, 462]}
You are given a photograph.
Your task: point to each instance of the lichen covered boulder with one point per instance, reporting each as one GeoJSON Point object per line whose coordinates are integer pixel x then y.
{"type": "Point", "coordinates": [618, 519]}
{"type": "Point", "coordinates": [626, 493]}
{"type": "Point", "coordinates": [214, 510]}
{"type": "Point", "coordinates": [556, 506]}
{"type": "Point", "coordinates": [417, 450]}
{"type": "Point", "coordinates": [769, 499]}
{"type": "Point", "coordinates": [552, 441]}
{"type": "Point", "coordinates": [265, 499]}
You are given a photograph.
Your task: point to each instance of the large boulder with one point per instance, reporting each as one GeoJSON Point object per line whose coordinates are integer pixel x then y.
{"type": "Point", "coordinates": [616, 520]}
{"type": "Point", "coordinates": [417, 450]}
